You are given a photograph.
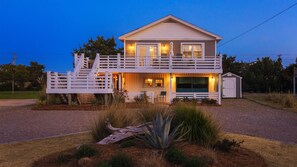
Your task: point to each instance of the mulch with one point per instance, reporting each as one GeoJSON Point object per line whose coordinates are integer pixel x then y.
{"type": "Point", "coordinates": [149, 157]}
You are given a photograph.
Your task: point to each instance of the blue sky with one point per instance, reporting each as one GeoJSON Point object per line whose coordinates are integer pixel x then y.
{"type": "Point", "coordinates": [47, 31]}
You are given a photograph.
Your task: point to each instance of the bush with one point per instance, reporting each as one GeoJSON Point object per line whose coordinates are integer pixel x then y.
{"type": "Point", "coordinates": [104, 164]}
{"type": "Point", "coordinates": [128, 143]}
{"type": "Point", "coordinates": [142, 99]}
{"type": "Point", "coordinates": [286, 100]}
{"type": "Point", "coordinates": [63, 159]}
{"type": "Point", "coordinates": [119, 96]}
{"type": "Point", "coordinates": [184, 100]}
{"type": "Point", "coordinates": [175, 156]}
{"type": "Point", "coordinates": [85, 150]}
{"type": "Point", "coordinates": [226, 145]}
{"type": "Point", "coordinates": [208, 101]}
{"type": "Point", "coordinates": [197, 127]}
{"type": "Point", "coordinates": [121, 160]}
{"type": "Point", "coordinates": [195, 162]}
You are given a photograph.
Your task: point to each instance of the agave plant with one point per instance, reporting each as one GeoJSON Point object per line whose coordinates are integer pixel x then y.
{"type": "Point", "coordinates": [160, 136]}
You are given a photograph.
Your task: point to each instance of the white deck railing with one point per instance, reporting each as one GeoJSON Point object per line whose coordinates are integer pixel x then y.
{"type": "Point", "coordinates": [197, 95]}
{"type": "Point", "coordinates": [120, 62]}
{"type": "Point", "coordinates": [72, 83]}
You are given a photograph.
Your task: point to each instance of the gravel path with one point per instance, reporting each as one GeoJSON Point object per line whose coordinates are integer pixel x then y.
{"type": "Point", "coordinates": [19, 123]}
{"type": "Point", "coordinates": [247, 117]}
{"type": "Point", "coordinates": [22, 123]}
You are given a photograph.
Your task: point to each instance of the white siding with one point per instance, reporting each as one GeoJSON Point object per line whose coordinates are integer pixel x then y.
{"type": "Point", "coordinates": [170, 31]}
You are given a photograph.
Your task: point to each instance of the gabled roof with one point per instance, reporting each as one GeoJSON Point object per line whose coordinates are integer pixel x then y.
{"type": "Point", "coordinates": [229, 73]}
{"type": "Point", "coordinates": [170, 17]}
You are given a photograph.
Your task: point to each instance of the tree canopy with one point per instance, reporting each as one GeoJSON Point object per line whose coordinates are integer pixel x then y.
{"type": "Point", "coordinates": [263, 75]}
{"type": "Point", "coordinates": [99, 45]}
{"type": "Point", "coordinates": [25, 77]}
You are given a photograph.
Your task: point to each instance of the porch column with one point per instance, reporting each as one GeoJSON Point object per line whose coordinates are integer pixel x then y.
{"type": "Point", "coordinates": [219, 88]}
{"type": "Point", "coordinates": [170, 88]}
{"type": "Point", "coordinates": [120, 81]}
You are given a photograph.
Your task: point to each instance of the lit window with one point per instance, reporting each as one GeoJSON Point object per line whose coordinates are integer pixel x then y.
{"type": "Point", "coordinates": [148, 82]}
{"type": "Point", "coordinates": [192, 50]}
{"type": "Point", "coordinates": [159, 82]}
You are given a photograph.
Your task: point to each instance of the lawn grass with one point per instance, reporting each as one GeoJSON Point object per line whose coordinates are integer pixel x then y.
{"type": "Point", "coordinates": [275, 153]}
{"type": "Point", "coordinates": [261, 98]}
{"type": "Point", "coordinates": [19, 95]}
{"type": "Point", "coordinates": [24, 153]}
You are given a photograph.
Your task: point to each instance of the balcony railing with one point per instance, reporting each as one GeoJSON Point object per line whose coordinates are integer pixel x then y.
{"type": "Point", "coordinates": [129, 63]}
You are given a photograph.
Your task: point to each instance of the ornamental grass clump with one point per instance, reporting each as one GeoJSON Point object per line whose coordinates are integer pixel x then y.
{"type": "Point", "coordinates": [118, 115]}
{"type": "Point", "coordinates": [197, 127]}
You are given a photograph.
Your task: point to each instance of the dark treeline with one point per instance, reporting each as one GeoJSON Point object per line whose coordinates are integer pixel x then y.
{"type": "Point", "coordinates": [30, 77]}
{"type": "Point", "coordinates": [263, 75]}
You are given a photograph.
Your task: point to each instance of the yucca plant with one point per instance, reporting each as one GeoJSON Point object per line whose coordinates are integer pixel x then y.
{"type": "Point", "coordinates": [159, 136]}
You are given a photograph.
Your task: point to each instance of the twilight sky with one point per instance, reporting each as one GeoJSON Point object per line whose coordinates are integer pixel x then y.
{"type": "Point", "coordinates": [47, 30]}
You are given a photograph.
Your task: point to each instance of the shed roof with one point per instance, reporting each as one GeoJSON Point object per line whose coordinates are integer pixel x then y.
{"type": "Point", "coordinates": [231, 74]}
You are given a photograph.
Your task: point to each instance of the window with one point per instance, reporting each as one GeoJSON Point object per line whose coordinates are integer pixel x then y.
{"type": "Point", "coordinates": [191, 84]}
{"type": "Point", "coordinates": [158, 82]}
{"type": "Point", "coordinates": [194, 50]}
{"type": "Point", "coordinates": [148, 82]}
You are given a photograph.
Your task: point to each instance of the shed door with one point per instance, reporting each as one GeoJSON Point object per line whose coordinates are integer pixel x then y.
{"type": "Point", "coordinates": [229, 87]}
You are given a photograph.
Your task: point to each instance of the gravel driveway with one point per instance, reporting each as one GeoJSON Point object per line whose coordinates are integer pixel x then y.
{"type": "Point", "coordinates": [246, 117]}
{"type": "Point", "coordinates": [19, 123]}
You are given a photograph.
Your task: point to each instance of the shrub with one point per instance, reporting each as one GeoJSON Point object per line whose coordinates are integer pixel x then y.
{"type": "Point", "coordinates": [197, 127]}
{"type": "Point", "coordinates": [160, 136]}
{"type": "Point", "coordinates": [63, 158]}
{"type": "Point", "coordinates": [184, 100]}
{"type": "Point", "coordinates": [195, 162]}
{"type": "Point", "coordinates": [142, 99]}
{"type": "Point", "coordinates": [121, 160]}
{"type": "Point", "coordinates": [119, 96]}
{"type": "Point", "coordinates": [147, 113]}
{"type": "Point", "coordinates": [208, 101]}
{"type": "Point", "coordinates": [174, 156]}
{"type": "Point", "coordinates": [85, 150]}
{"type": "Point", "coordinates": [128, 143]}
{"type": "Point", "coordinates": [104, 164]}
{"type": "Point", "coordinates": [288, 101]}
{"type": "Point", "coordinates": [226, 145]}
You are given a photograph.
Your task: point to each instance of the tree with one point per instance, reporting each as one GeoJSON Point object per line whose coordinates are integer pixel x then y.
{"type": "Point", "coordinates": [36, 74]}
{"type": "Point", "coordinates": [100, 45]}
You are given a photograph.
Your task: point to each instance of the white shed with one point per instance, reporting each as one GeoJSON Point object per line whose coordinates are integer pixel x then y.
{"type": "Point", "coordinates": [232, 85]}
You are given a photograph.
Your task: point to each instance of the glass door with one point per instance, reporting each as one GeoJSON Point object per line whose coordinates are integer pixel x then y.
{"type": "Point", "coordinates": [146, 54]}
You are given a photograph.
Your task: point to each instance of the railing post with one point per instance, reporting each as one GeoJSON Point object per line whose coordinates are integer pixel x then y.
{"type": "Point", "coordinates": [221, 61]}
{"type": "Point", "coordinates": [215, 62]}
{"type": "Point", "coordinates": [48, 80]}
{"type": "Point", "coordinates": [170, 61]}
{"type": "Point", "coordinates": [119, 60]}
{"type": "Point", "coordinates": [107, 65]}
{"type": "Point", "coordinates": [106, 80]}
{"type": "Point", "coordinates": [56, 80]}
{"type": "Point", "coordinates": [68, 80]}
{"type": "Point", "coordinates": [170, 88]}
{"type": "Point", "coordinates": [75, 59]}
{"type": "Point", "coordinates": [98, 62]}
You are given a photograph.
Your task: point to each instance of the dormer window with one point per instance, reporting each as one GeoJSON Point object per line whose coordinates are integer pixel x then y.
{"type": "Point", "coordinates": [192, 50]}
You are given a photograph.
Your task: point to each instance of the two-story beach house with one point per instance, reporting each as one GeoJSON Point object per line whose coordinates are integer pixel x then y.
{"type": "Point", "coordinates": [169, 58]}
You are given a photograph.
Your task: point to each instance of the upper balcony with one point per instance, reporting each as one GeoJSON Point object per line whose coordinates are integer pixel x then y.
{"type": "Point", "coordinates": [168, 64]}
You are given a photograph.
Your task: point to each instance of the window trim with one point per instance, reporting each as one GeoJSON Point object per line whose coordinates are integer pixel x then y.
{"type": "Point", "coordinates": [153, 84]}
{"type": "Point", "coordinates": [194, 43]}
{"type": "Point", "coordinates": [148, 43]}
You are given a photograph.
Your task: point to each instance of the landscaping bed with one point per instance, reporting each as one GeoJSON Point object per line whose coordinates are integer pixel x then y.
{"type": "Point", "coordinates": [140, 156]}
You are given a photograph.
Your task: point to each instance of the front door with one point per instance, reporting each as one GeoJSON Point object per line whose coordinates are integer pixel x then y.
{"type": "Point", "coordinates": [146, 53]}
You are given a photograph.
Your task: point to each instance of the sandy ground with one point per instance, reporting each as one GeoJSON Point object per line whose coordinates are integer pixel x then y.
{"type": "Point", "coordinates": [19, 123]}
